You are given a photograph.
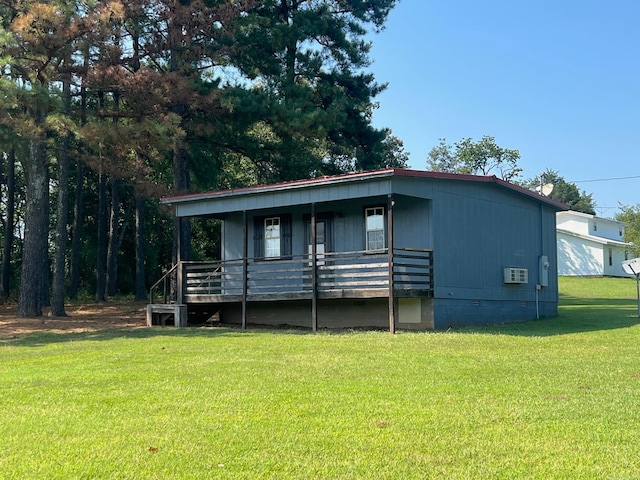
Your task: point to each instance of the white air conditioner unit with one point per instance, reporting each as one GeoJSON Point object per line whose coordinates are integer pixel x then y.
{"type": "Point", "coordinates": [516, 275]}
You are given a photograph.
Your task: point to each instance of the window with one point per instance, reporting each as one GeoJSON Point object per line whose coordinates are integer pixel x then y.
{"type": "Point", "coordinates": [626, 255]}
{"type": "Point", "coordinates": [272, 237]}
{"type": "Point", "coordinates": [595, 227]}
{"type": "Point", "coordinates": [610, 257]}
{"type": "Point", "coordinates": [374, 223]}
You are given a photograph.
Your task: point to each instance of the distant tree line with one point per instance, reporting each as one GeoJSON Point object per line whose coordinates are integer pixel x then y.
{"type": "Point", "coordinates": [108, 105]}
{"type": "Point", "coordinates": [630, 216]}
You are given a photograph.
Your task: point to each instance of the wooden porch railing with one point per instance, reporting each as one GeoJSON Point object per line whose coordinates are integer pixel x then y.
{"type": "Point", "coordinates": [337, 274]}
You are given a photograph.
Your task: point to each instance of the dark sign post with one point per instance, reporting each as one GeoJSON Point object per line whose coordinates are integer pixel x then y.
{"type": "Point", "coordinates": [633, 267]}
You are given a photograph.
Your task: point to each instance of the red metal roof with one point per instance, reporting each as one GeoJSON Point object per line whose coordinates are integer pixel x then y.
{"type": "Point", "coordinates": [362, 176]}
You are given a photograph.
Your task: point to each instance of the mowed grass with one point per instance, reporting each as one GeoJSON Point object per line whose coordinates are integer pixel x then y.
{"type": "Point", "coordinates": [553, 398]}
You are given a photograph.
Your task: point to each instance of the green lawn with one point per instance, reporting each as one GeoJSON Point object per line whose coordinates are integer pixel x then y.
{"type": "Point", "coordinates": [554, 398]}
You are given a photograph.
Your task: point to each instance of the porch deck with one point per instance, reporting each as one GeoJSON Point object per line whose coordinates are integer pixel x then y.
{"type": "Point", "coordinates": [359, 274]}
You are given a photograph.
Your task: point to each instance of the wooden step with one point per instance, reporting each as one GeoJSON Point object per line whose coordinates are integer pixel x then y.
{"type": "Point", "coordinates": [159, 313]}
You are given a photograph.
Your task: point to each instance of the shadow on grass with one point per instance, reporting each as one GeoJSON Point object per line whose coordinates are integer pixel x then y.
{"type": "Point", "coordinates": [38, 339]}
{"type": "Point", "coordinates": [575, 315]}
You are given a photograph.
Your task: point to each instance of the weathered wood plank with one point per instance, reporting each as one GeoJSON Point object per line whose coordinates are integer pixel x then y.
{"type": "Point", "coordinates": [278, 277]}
{"type": "Point", "coordinates": [280, 296]}
{"type": "Point", "coordinates": [355, 266]}
{"type": "Point", "coordinates": [270, 271]}
{"type": "Point", "coordinates": [410, 274]}
{"type": "Point", "coordinates": [415, 257]}
{"type": "Point", "coordinates": [410, 249]}
{"type": "Point", "coordinates": [412, 265]}
{"type": "Point", "coordinates": [413, 293]}
{"type": "Point", "coordinates": [226, 298]}
{"type": "Point", "coordinates": [348, 275]}
{"type": "Point", "coordinates": [411, 281]}
{"type": "Point", "coordinates": [326, 285]}
{"type": "Point", "coordinates": [360, 293]}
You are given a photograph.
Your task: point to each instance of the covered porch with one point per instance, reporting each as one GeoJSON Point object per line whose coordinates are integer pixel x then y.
{"type": "Point", "coordinates": [384, 274]}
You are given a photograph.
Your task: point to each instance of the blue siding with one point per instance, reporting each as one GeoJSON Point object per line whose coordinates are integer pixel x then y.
{"type": "Point", "coordinates": [413, 223]}
{"type": "Point", "coordinates": [232, 237]}
{"type": "Point", "coordinates": [480, 231]}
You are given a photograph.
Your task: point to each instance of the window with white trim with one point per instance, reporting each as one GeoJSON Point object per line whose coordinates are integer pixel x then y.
{"type": "Point", "coordinates": [272, 237]}
{"type": "Point", "coordinates": [374, 224]}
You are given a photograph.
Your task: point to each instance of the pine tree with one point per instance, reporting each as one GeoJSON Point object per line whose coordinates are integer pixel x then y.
{"type": "Point", "coordinates": [307, 60]}
{"type": "Point", "coordinates": [43, 36]}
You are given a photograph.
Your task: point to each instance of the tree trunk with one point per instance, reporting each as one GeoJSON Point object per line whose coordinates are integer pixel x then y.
{"type": "Point", "coordinates": [141, 287]}
{"type": "Point", "coordinates": [101, 261]}
{"type": "Point", "coordinates": [181, 183]}
{"type": "Point", "coordinates": [59, 264]}
{"type": "Point", "coordinates": [60, 255]}
{"type": "Point", "coordinates": [35, 264]}
{"type": "Point", "coordinates": [112, 250]}
{"type": "Point", "coordinates": [5, 277]}
{"type": "Point", "coordinates": [74, 274]}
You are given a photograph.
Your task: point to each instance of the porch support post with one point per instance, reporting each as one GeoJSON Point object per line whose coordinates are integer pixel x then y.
{"type": "Point", "coordinates": [392, 312]}
{"type": "Point", "coordinates": [179, 269]}
{"type": "Point", "coordinates": [245, 267]}
{"type": "Point", "coordinates": [314, 272]}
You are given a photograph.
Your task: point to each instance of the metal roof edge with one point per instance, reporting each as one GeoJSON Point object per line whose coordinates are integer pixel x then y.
{"type": "Point", "coordinates": [362, 176]}
{"type": "Point", "coordinates": [274, 187]}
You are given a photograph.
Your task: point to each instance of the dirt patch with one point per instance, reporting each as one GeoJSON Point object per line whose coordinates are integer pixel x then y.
{"type": "Point", "coordinates": [81, 318]}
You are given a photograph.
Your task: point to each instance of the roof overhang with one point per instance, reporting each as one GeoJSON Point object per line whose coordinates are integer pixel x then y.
{"type": "Point", "coordinates": [378, 182]}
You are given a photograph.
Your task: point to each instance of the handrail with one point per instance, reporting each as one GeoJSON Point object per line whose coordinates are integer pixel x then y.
{"type": "Point", "coordinates": [163, 279]}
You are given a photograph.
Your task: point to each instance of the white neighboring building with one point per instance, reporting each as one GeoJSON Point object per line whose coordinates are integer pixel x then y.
{"type": "Point", "coordinates": [590, 245]}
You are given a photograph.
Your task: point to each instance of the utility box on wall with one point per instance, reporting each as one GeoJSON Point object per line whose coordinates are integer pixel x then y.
{"type": "Point", "coordinates": [544, 271]}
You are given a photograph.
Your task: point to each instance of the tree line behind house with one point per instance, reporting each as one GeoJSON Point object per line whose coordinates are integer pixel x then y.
{"type": "Point", "coordinates": [106, 106]}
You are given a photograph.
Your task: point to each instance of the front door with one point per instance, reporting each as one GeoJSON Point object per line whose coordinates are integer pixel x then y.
{"type": "Point", "coordinates": [323, 238]}
{"type": "Point", "coordinates": [321, 241]}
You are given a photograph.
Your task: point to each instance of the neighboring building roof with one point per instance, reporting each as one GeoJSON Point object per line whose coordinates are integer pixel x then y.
{"type": "Point", "coordinates": [582, 225]}
{"type": "Point", "coordinates": [595, 239]}
{"type": "Point", "coordinates": [590, 216]}
{"type": "Point", "coordinates": [359, 177]}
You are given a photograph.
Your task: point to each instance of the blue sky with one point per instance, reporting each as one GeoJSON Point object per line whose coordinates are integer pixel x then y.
{"type": "Point", "coordinates": [557, 80]}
